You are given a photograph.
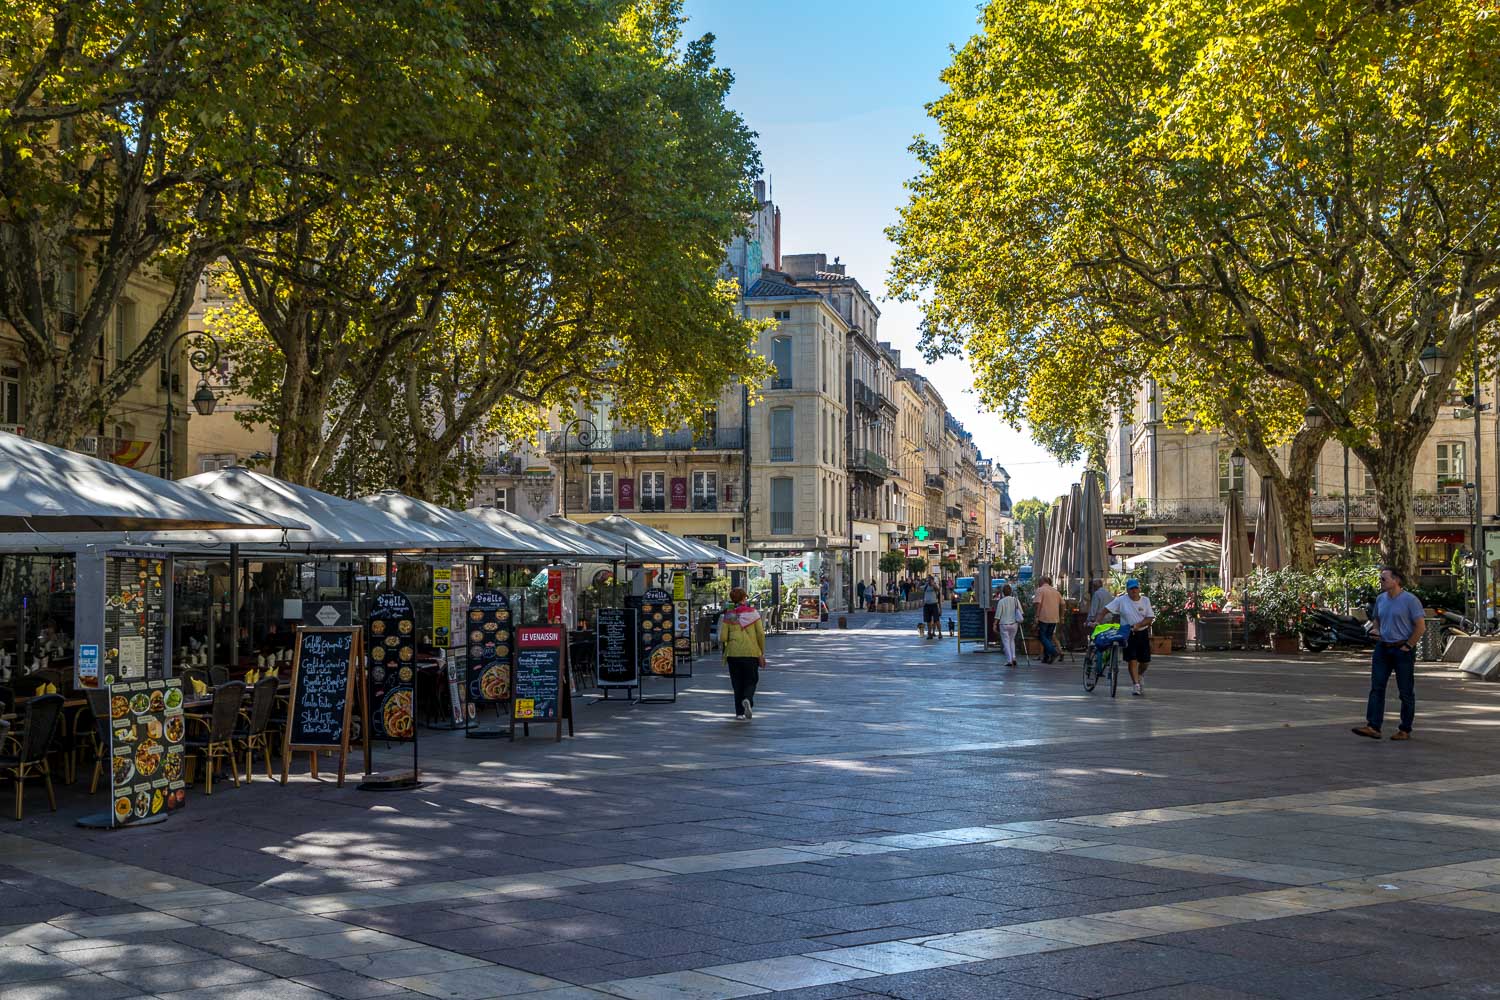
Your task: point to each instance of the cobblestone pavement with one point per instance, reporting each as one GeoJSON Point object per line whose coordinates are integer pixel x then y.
{"type": "Point", "coordinates": [896, 821]}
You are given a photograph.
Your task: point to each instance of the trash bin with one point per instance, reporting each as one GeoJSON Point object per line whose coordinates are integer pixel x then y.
{"type": "Point", "coordinates": [1432, 643]}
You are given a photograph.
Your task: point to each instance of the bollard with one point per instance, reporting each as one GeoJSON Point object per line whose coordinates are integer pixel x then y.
{"type": "Point", "coordinates": [843, 621]}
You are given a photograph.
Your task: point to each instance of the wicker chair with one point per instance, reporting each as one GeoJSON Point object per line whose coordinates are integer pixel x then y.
{"type": "Point", "coordinates": [190, 674]}
{"type": "Point", "coordinates": [218, 676]}
{"type": "Point", "coordinates": [217, 742]}
{"type": "Point", "coordinates": [99, 709]}
{"type": "Point", "coordinates": [259, 726]}
{"type": "Point", "coordinates": [32, 745]}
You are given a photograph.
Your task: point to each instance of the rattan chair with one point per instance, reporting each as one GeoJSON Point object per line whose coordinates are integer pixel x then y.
{"type": "Point", "coordinates": [217, 742]}
{"type": "Point", "coordinates": [259, 726]}
{"type": "Point", "coordinates": [31, 746]}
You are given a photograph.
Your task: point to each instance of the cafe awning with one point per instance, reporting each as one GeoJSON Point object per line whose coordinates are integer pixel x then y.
{"type": "Point", "coordinates": [487, 535]}
{"type": "Point", "coordinates": [53, 490]}
{"type": "Point", "coordinates": [626, 548]}
{"type": "Point", "coordinates": [335, 526]}
{"type": "Point", "coordinates": [673, 548]}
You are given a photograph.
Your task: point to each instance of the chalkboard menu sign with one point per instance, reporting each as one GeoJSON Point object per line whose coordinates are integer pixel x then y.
{"type": "Point", "coordinates": [539, 688]}
{"type": "Point", "coordinates": [488, 628]}
{"type": "Point", "coordinates": [616, 639]}
{"type": "Point", "coordinates": [146, 726]}
{"type": "Point", "coordinates": [970, 623]}
{"type": "Point", "coordinates": [135, 619]}
{"type": "Point", "coordinates": [656, 627]}
{"type": "Point", "coordinates": [325, 673]}
{"type": "Point", "coordinates": [391, 652]}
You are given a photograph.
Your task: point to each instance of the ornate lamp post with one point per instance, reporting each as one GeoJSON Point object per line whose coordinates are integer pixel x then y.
{"type": "Point", "coordinates": [586, 433]}
{"type": "Point", "coordinates": [203, 356]}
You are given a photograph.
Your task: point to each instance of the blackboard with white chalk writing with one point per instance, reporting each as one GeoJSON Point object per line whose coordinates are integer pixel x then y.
{"type": "Point", "coordinates": [325, 672]}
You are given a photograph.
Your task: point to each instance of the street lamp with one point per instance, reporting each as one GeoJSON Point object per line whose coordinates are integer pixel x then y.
{"type": "Point", "coordinates": [587, 433]}
{"type": "Point", "coordinates": [203, 356]}
{"type": "Point", "coordinates": [1432, 361]}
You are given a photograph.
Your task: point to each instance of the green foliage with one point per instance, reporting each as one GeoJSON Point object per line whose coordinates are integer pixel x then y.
{"type": "Point", "coordinates": [1026, 512]}
{"type": "Point", "coordinates": [1278, 600]}
{"type": "Point", "coordinates": [950, 566]}
{"type": "Point", "coordinates": [1357, 576]}
{"type": "Point", "coordinates": [916, 565]}
{"type": "Point", "coordinates": [1260, 206]}
{"type": "Point", "coordinates": [892, 561]}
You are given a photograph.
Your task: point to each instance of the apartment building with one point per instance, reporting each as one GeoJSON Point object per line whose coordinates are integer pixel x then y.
{"type": "Point", "coordinates": [133, 431]}
{"type": "Point", "coordinates": [1175, 481]}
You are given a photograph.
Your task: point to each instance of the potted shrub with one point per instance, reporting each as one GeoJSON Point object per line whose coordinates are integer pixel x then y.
{"type": "Point", "coordinates": [1170, 602]}
{"type": "Point", "coordinates": [1277, 602]}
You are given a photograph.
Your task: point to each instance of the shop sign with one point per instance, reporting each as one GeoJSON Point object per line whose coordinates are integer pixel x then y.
{"type": "Point", "coordinates": [626, 490]}
{"type": "Point", "coordinates": [554, 596]}
{"type": "Point", "coordinates": [442, 606]}
{"type": "Point", "coordinates": [679, 489]}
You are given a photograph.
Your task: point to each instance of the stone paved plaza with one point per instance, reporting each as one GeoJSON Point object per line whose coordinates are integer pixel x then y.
{"type": "Point", "coordinates": [897, 821]}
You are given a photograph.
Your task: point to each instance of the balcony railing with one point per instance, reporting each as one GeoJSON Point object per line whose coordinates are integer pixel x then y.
{"type": "Point", "coordinates": [779, 382]}
{"type": "Point", "coordinates": [718, 439]}
{"type": "Point", "coordinates": [781, 522]}
{"type": "Point", "coordinates": [865, 460]}
{"type": "Point", "coordinates": [783, 453]}
{"type": "Point", "coordinates": [936, 481]}
{"type": "Point", "coordinates": [1325, 509]}
{"type": "Point", "coordinates": [955, 513]}
{"type": "Point", "coordinates": [504, 465]}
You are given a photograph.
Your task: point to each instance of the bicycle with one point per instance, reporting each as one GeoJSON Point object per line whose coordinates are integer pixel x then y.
{"type": "Point", "coordinates": [1102, 661]}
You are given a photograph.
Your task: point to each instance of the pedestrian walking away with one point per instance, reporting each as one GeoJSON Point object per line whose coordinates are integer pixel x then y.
{"type": "Point", "coordinates": [1135, 613]}
{"type": "Point", "coordinates": [1048, 603]}
{"type": "Point", "coordinates": [742, 637]}
{"type": "Point", "coordinates": [859, 591]}
{"type": "Point", "coordinates": [1008, 619]}
{"type": "Point", "coordinates": [1398, 617]}
{"type": "Point", "coordinates": [932, 608]}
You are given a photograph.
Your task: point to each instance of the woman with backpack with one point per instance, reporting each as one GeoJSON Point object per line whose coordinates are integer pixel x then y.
{"type": "Point", "coordinates": [1008, 618]}
{"type": "Point", "coordinates": [742, 637]}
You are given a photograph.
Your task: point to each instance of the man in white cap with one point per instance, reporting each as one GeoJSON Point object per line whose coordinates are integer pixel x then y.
{"type": "Point", "coordinates": [1134, 611]}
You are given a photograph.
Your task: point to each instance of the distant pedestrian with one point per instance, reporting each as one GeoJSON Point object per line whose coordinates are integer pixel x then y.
{"type": "Point", "coordinates": [742, 637]}
{"type": "Point", "coordinates": [860, 592]}
{"type": "Point", "coordinates": [905, 591]}
{"type": "Point", "coordinates": [1398, 615]}
{"type": "Point", "coordinates": [1136, 614]}
{"type": "Point", "coordinates": [932, 608]}
{"type": "Point", "coordinates": [1008, 616]}
{"type": "Point", "coordinates": [1048, 603]}
{"type": "Point", "coordinates": [1099, 603]}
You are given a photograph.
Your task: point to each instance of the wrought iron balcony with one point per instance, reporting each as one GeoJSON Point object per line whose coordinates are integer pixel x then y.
{"type": "Point", "coordinates": [865, 460]}
{"type": "Point", "coordinates": [718, 439]}
{"type": "Point", "coordinates": [955, 513]}
{"type": "Point", "coordinates": [1325, 509]}
{"type": "Point", "coordinates": [936, 481]}
{"type": "Point", "coordinates": [779, 382]}
{"type": "Point", "coordinates": [782, 453]}
{"type": "Point", "coordinates": [504, 465]}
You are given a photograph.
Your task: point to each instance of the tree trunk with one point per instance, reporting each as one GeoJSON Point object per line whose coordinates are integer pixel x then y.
{"type": "Point", "coordinates": [1391, 467]}
{"type": "Point", "coordinates": [1296, 508]}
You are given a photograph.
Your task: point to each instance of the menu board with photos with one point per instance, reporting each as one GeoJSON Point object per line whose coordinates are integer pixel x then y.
{"type": "Point", "coordinates": [488, 628]}
{"type": "Point", "coordinates": [682, 641]}
{"type": "Point", "coordinates": [656, 621]}
{"type": "Point", "coordinates": [146, 728]}
{"type": "Point", "coordinates": [539, 687]}
{"type": "Point", "coordinates": [390, 655]}
{"type": "Point", "coordinates": [616, 645]}
{"type": "Point", "coordinates": [135, 619]}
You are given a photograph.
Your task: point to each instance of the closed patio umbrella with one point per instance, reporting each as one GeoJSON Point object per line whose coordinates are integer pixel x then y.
{"type": "Point", "coordinates": [1093, 561]}
{"type": "Point", "coordinates": [1234, 555]}
{"type": "Point", "coordinates": [1039, 552]}
{"type": "Point", "coordinates": [1270, 532]}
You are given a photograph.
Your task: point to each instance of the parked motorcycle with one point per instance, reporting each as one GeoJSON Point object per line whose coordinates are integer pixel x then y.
{"type": "Point", "coordinates": [1322, 629]}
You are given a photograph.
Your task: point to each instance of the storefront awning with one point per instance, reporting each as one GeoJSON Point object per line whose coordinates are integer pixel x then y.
{"type": "Point", "coordinates": [49, 489]}
{"type": "Point", "coordinates": [487, 535]}
{"type": "Point", "coordinates": [671, 548]}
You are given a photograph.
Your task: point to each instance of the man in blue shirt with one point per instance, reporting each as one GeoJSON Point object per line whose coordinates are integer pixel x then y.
{"type": "Point", "coordinates": [1398, 615]}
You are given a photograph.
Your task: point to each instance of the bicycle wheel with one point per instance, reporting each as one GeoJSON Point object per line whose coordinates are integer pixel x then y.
{"type": "Point", "coordinates": [1090, 675]}
{"type": "Point", "coordinates": [1114, 669]}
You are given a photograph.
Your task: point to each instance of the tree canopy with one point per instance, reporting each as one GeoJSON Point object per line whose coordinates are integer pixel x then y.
{"type": "Point", "coordinates": [1267, 206]}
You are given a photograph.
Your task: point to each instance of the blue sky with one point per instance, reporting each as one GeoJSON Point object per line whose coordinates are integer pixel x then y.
{"type": "Point", "coordinates": [836, 91]}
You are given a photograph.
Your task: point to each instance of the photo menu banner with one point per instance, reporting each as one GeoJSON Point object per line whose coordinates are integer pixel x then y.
{"type": "Point", "coordinates": [146, 729]}
{"type": "Point", "coordinates": [391, 647]}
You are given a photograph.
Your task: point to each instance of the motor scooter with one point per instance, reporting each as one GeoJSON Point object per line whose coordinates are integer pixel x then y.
{"type": "Point", "coordinates": [1322, 629]}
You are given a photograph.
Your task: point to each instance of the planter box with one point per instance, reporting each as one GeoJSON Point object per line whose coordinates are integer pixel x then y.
{"type": "Point", "coordinates": [1216, 630]}
{"type": "Point", "coordinates": [1161, 645]}
{"type": "Point", "coordinates": [1286, 642]}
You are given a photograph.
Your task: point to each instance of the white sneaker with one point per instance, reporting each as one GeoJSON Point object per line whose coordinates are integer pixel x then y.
{"type": "Point", "coordinates": [749, 711]}
{"type": "Point", "coordinates": [1137, 691]}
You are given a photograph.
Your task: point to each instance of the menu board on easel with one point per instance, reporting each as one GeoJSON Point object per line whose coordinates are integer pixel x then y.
{"type": "Point", "coordinates": [390, 651]}
{"type": "Point", "coordinates": [656, 622]}
{"type": "Point", "coordinates": [488, 630]}
{"type": "Point", "coordinates": [325, 676]}
{"type": "Point", "coordinates": [540, 695]}
{"type": "Point", "coordinates": [146, 728]}
{"type": "Point", "coordinates": [971, 624]}
{"type": "Point", "coordinates": [615, 655]}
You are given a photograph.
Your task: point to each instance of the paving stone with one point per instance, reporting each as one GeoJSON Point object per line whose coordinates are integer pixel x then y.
{"type": "Point", "coordinates": [210, 972]}
{"type": "Point", "coordinates": [92, 986]}
{"type": "Point", "coordinates": [477, 983]}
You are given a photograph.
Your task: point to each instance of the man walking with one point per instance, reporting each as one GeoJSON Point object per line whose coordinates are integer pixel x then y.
{"type": "Point", "coordinates": [1048, 603]}
{"type": "Point", "coordinates": [1135, 613]}
{"type": "Point", "coordinates": [859, 591]}
{"type": "Point", "coordinates": [1398, 615]}
{"type": "Point", "coordinates": [932, 610]}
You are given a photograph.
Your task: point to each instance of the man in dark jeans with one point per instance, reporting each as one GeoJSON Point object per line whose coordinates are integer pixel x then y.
{"type": "Point", "coordinates": [1048, 603]}
{"type": "Point", "coordinates": [1398, 615]}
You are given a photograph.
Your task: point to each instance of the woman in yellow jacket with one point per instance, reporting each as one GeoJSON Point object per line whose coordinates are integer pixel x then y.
{"type": "Point", "coordinates": [742, 637]}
